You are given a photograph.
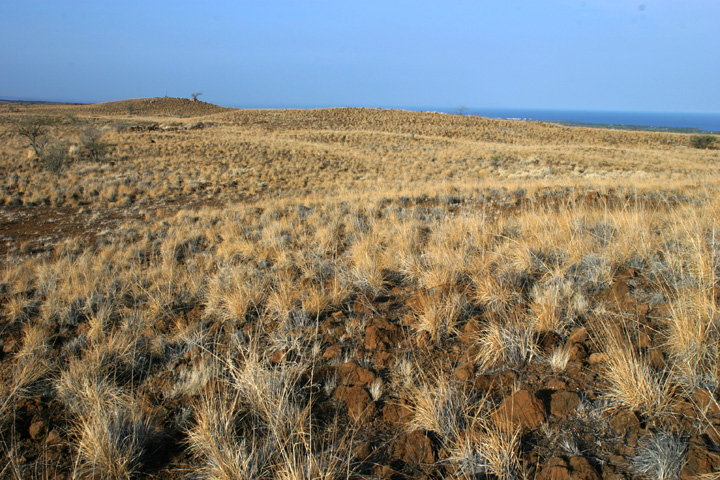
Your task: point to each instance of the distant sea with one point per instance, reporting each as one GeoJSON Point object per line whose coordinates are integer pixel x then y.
{"type": "Point", "coordinates": [709, 122]}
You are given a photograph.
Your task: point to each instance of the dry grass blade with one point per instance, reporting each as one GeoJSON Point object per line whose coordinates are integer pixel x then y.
{"type": "Point", "coordinates": [693, 340]}
{"type": "Point", "coordinates": [501, 448]}
{"type": "Point", "coordinates": [215, 438]}
{"type": "Point", "coordinates": [660, 457]}
{"type": "Point", "coordinates": [440, 407]}
{"type": "Point", "coordinates": [112, 441]}
{"type": "Point", "coordinates": [505, 344]}
{"type": "Point", "coordinates": [633, 383]}
{"type": "Point", "coordinates": [438, 314]}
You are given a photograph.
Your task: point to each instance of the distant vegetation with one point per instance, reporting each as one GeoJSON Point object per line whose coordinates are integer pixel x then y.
{"type": "Point", "coordinates": [638, 128]}
{"type": "Point", "coordinates": [704, 141]}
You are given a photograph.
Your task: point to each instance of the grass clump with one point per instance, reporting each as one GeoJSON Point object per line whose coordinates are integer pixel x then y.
{"type": "Point", "coordinates": [660, 457]}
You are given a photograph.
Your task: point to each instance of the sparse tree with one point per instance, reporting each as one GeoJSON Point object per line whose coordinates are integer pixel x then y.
{"type": "Point", "coordinates": [461, 110]}
{"type": "Point", "coordinates": [195, 96]}
{"type": "Point", "coordinates": [130, 108]}
{"type": "Point", "coordinates": [34, 130]}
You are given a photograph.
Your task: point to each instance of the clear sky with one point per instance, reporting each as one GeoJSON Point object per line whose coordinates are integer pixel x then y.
{"type": "Point", "coordinates": [643, 55]}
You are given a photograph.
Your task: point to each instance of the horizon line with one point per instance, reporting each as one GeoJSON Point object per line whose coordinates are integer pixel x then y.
{"type": "Point", "coordinates": [440, 109]}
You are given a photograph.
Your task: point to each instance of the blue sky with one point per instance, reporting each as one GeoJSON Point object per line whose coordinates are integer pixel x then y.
{"type": "Point", "coordinates": [645, 55]}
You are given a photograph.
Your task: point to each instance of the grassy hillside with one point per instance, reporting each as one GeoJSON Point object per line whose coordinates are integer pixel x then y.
{"type": "Point", "coordinates": [354, 293]}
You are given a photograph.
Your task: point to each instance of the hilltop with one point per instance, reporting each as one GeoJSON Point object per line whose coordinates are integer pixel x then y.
{"type": "Point", "coordinates": [151, 107]}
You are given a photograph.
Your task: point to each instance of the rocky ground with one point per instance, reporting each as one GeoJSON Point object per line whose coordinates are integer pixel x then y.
{"type": "Point", "coordinates": [548, 331]}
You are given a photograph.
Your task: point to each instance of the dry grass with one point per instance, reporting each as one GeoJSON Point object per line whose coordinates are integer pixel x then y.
{"type": "Point", "coordinates": [460, 419]}
{"type": "Point", "coordinates": [633, 383]}
{"type": "Point", "coordinates": [212, 278]}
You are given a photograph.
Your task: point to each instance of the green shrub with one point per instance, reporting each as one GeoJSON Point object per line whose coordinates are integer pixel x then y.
{"type": "Point", "coordinates": [703, 141]}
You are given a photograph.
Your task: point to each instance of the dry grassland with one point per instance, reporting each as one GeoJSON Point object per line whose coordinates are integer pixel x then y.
{"type": "Point", "coordinates": [355, 293]}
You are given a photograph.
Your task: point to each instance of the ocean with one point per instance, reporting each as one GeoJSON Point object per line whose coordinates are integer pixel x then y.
{"type": "Point", "coordinates": [709, 122]}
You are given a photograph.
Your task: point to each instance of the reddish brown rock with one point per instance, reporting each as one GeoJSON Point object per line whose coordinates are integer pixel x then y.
{"type": "Point", "coordinates": [624, 422]}
{"type": "Point", "coordinates": [278, 357]}
{"type": "Point", "coordinates": [521, 409]}
{"type": "Point", "coordinates": [619, 461]}
{"type": "Point", "coordinates": [564, 403]}
{"type": "Point", "coordinates": [470, 331]}
{"type": "Point", "coordinates": [38, 429]}
{"type": "Point", "coordinates": [9, 345]}
{"type": "Point", "coordinates": [396, 414]}
{"type": "Point", "coordinates": [415, 301]}
{"type": "Point", "coordinates": [641, 310]}
{"type": "Point", "coordinates": [577, 352]}
{"type": "Point", "coordinates": [618, 292]}
{"type": "Point", "coordinates": [382, 359]}
{"type": "Point", "coordinates": [381, 334]}
{"type": "Point", "coordinates": [596, 358]}
{"type": "Point", "coordinates": [53, 437]}
{"type": "Point", "coordinates": [555, 469]}
{"type": "Point", "coordinates": [414, 448]}
{"type": "Point", "coordinates": [577, 468]}
{"type": "Point", "coordinates": [465, 371]}
{"type": "Point", "coordinates": [578, 335]}
{"type": "Point", "coordinates": [408, 320]}
{"type": "Point", "coordinates": [706, 402]}
{"type": "Point", "coordinates": [362, 450]}
{"type": "Point", "coordinates": [582, 469]}
{"type": "Point", "coordinates": [375, 338]}
{"type": "Point", "coordinates": [699, 462]}
{"type": "Point", "coordinates": [351, 373]}
{"type": "Point", "coordinates": [333, 330]}
{"type": "Point", "coordinates": [361, 308]}
{"type": "Point", "coordinates": [655, 359]}
{"type": "Point", "coordinates": [556, 384]}
{"type": "Point", "coordinates": [495, 380]}
{"type": "Point", "coordinates": [643, 340]}
{"type": "Point", "coordinates": [423, 339]}
{"type": "Point", "coordinates": [333, 351]}
{"type": "Point", "coordinates": [713, 432]}
{"type": "Point", "coordinates": [360, 406]}
{"type": "Point", "coordinates": [83, 329]}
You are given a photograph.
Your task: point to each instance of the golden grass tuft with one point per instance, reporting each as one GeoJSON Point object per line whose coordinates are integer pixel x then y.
{"type": "Point", "coordinates": [632, 382]}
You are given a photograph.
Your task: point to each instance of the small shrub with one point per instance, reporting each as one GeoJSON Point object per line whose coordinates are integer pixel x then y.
{"type": "Point", "coordinates": [93, 146]}
{"type": "Point", "coordinates": [53, 158]}
{"type": "Point", "coordinates": [703, 141]}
